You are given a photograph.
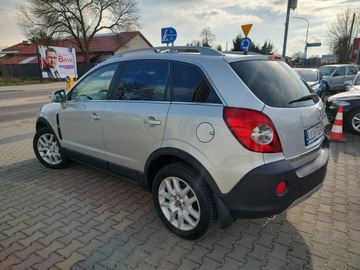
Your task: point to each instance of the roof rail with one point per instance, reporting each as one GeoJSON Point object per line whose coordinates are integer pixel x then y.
{"type": "Point", "coordinates": [172, 50]}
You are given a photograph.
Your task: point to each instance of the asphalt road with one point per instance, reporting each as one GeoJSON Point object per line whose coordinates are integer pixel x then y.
{"type": "Point", "coordinates": [23, 102]}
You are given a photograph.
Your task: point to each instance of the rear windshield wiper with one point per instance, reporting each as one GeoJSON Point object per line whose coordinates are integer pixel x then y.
{"type": "Point", "coordinates": [303, 98]}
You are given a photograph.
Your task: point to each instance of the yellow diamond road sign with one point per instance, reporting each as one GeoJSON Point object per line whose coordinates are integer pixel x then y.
{"type": "Point", "coordinates": [246, 28]}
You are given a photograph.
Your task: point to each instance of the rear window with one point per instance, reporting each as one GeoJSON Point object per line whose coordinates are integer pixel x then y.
{"type": "Point", "coordinates": [273, 82]}
{"type": "Point", "coordinates": [308, 75]}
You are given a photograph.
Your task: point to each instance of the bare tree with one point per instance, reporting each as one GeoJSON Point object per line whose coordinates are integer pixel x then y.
{"type": "Point", "coordinates": [79, 19]}
{"type": "Point", "coordinates": [207, 37]}
{"type": "Point", "coordinates": [342, 33]}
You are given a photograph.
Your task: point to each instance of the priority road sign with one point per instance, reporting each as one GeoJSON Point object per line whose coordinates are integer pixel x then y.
{"type": "Point", "coordinates": [246, 29]}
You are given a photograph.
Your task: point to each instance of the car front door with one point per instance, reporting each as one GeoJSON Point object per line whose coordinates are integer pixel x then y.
{"type": "Point", "coordinates": [135, 117]}
{"type": "Point", "coordinates": [81, 121]}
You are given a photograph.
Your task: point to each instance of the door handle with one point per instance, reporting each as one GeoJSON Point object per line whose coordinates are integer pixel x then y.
{"type": "Point", "coordinates": [94, 117]}
{"type": "Point", "coordinates": [151, 121]}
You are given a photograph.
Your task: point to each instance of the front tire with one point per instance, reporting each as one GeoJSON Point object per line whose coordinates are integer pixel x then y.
{"type": "Point", "coordinates": [184, 201]}
{"type": "Point", "coordinates": [48, 149]}
{"type": "Point", "coordinates": [353, 121]}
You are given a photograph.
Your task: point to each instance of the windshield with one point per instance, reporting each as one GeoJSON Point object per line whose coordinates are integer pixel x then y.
{"type": "Point", "coordinates": [308, 75]}
{"type": "Point", "coordinates": [273, 82]}
{"type": "Point", "coordinates": [326, 70]}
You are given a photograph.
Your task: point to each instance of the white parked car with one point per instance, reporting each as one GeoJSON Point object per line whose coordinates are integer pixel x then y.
{"type": "Point", "coordinates": [213, 136]}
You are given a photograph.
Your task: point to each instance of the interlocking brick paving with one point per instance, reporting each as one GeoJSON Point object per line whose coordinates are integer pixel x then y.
{"type": "Point", "coordinates": [80, 218]}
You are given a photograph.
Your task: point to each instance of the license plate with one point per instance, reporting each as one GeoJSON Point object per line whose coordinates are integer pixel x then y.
{"type": "Point", "coordinates": [312, 134]}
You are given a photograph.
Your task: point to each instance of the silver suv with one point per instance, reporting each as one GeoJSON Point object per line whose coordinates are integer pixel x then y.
{"type": "Point", "coordinates": [213, 136]}
{"type": "Point", "coordinates": [337, 75]}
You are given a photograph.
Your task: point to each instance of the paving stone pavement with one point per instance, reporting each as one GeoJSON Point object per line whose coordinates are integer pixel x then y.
{"type": "Point", "coordinates": [80, 218]}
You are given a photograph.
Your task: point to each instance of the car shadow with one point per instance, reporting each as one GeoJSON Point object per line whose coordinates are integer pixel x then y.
{"type": "Point", "coordinates": [346, 146]}
{"type": "Point", "coordinates": [247, 244]}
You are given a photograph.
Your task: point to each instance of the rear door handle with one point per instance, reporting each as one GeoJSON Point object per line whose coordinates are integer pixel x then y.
{"type": "Point", "coordinates": [95, 116]}
{"type": "Point", "coordinates": [151, 121]}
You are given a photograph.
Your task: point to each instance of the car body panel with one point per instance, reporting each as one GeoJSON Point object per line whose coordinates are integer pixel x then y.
{"type": "Point", "coordinates": [86, 116]}
{"type": "Point", "coordinates": [129, 135]}
{"type": "Point", "coordinates": [336, 75]}
{"type": "Point", "coordinates": [218, 149]}
{"type": "Point", "coordinates": [349, 100]}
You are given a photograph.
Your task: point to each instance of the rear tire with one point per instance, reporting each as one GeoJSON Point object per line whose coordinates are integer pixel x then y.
{"type": "Point", "coordinates": [48, 149]}
{"type": "Point", "coordinates": [353, 121]}
{"type": "Point", "coordinates": [184, 201]}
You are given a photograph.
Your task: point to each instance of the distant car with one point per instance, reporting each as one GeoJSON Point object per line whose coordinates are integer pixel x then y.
{"type": "Point", "coordinates": [353, 85]}
{"type": "Point", "coordinates": [314, 79]}
{"type": "Point", "coordinates": [337, 75]}
{"type": "Point", "coordinates": [351, 109]}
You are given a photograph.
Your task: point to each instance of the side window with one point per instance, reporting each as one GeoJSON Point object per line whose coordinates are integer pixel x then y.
{"type": "Point", "coordinates": [189, 85]}
{"type": "Point", "coordinates": [351, 70]}
{"type": "Point", "coordinates": [94, 86]}
{"type": "Point", "coordinates": [340, 71]}
{"type": "Point", "coordinates": [143, 80]}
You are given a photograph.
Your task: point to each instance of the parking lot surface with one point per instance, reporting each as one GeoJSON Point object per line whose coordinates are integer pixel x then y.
{"type": "Point", "coordinates": [81, 218]}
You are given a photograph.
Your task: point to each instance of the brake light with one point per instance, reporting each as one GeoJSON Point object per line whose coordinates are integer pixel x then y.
{"type": "Point", "coordinates": [253, 129]}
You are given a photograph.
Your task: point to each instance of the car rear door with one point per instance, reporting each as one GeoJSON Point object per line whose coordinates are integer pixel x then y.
{"type": "Point", "coordinates": [135, 118]}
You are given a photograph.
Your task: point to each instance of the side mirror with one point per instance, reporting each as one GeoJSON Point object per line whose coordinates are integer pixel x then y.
{"type": "Point", "coordinates": [347, 82]}
{"type": "Point", "coordinates": [58, 96]}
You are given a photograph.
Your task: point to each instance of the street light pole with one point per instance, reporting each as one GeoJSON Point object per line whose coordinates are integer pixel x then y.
{"type": "Point", "coordinates": [306, 43]}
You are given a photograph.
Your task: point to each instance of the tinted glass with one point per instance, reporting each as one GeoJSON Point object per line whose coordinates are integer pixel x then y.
{"type": "Point", "coordinates": [327, 70]}
{"type": "Point", "coordinates": [341, 71]}
{"type": "Point", "coordinates": [94, 86]}
{"type": "Point", "coordinates": [308, 75]}
{"type": "Point", "coordinates": [143, 80]}
{"type": "Point", "coordinates": [190, 85]}
{"type": "Point", "coordinates": [351, 70]}
{"type": "Point", "coordinates": [273, 82]}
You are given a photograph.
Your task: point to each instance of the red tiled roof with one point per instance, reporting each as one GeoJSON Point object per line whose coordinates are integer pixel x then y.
{"type": "Point", "coordinates": [17, 47]}
{"type": "Point", "coordinates": [101, 44]}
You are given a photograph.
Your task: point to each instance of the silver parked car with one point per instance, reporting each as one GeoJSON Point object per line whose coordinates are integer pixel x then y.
{"type": "Point", "coordinates": [213, 136]}
{"type": "Point", "coordinates": [337, 75]}
{"type": "Point", "coordinates": [314, 79]}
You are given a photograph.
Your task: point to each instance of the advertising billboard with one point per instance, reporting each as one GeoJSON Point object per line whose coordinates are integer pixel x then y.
{"type": "Point", "coordinates": [355, 56]}
{"type": "Point", "coordinates": [57, 62]}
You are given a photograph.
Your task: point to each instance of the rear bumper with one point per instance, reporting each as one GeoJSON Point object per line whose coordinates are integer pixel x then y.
{"type": "Point", "coordinates": [255, 197]}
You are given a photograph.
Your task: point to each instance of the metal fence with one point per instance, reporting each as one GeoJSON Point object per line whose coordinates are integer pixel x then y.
{"type": "Point", "coordinates": [25, 71]}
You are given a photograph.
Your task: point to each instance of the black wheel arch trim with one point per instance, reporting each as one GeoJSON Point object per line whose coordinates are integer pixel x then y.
{"type": "Point", "coordinates": [173, 155]}
{"type": "Point", "coordinates": [42, 122]}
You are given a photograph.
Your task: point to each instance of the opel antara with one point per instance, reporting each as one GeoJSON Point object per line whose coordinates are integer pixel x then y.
{"type": "Point", "coordinates": [213, 136]}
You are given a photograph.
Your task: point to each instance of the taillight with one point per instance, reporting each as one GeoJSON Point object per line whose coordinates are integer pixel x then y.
{"type": "Point", "coordinates": [253, 129]}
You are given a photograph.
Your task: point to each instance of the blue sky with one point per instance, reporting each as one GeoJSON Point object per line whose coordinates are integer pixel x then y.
{"type": "Point", "coordinates": [224, 18]}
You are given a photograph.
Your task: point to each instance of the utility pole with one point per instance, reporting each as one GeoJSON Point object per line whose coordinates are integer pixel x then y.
{"type": "Point", "coordinates": [292, 4]}
{"type": "Point", "coordinates": [348, 44]}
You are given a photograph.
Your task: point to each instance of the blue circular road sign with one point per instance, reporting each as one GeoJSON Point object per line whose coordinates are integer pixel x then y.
{"type": "Point", "coordinates": [245, 44]}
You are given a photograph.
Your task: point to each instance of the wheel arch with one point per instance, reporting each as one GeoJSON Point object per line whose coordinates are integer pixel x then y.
{"type": "Point", "coordinates": [166, 156]}
{"type": "Point", "coordinates": [41, 122]}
